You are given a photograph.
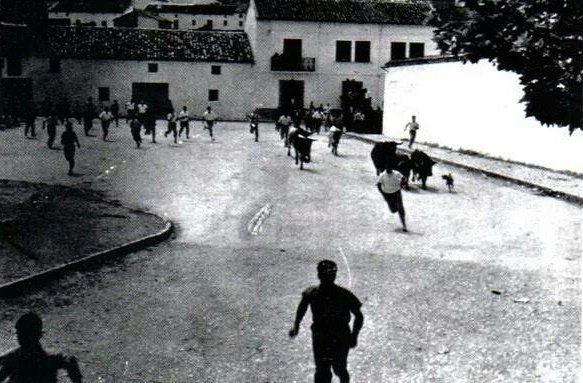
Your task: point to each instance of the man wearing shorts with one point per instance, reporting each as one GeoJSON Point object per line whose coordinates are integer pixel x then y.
{"type": "Point", "coordinates": [332, 307]}
{"type": "Point", "coordinates": [389, 184]}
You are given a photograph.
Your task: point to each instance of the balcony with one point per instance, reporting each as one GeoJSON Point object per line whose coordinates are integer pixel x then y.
{"type": "Point", "coordinates": [281, 63]}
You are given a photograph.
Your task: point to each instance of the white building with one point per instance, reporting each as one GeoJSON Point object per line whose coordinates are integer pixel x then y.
{"type": "Point", "coordinates": [88, 12]}
{"type": "Point", "coordinates": [192, 68]}
{"type": "Point", "coordinates": [214, 16]}
{"type": "Point", "coordinates": [305, 51]}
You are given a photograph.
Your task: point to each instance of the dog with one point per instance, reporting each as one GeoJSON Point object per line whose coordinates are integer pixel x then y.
{"type": "Point", "coordinates": [448, 181]}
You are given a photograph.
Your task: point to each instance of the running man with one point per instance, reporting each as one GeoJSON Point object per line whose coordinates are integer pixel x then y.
{"type": "Point", "coordinates": [184, 119]}
{"type": "Point", "coordinates": [51, 126]}
{"type": "Point", "coordinates": [209, 118]}
{"type": "Point", "coordinates": [389, 184]}
{"type": "Point", "coordinates": [69, 140]}
{"type": "Point", "coordinates": [105, 117]}
{"type": "Point", "coordinates": [254, 124]}
{"type": "Point", "coordinates": [331, 307]}
{"type": "Point", "coordinates": [171, 118]}
{"type": "Point", "coordinates": [136, 129]}
{"type": "Point", "coordinates": [284, 123]}
{"type": "Point", "coordinates": [30, 363]}
{"type": "Point", "coordinates": [413, 127]}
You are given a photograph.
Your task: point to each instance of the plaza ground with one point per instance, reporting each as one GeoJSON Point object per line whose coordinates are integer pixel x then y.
{"type": "Point", "coordinates": [485, 287]}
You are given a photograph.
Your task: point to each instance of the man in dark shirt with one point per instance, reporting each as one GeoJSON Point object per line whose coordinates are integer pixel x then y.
{"type": "Point", "coordinates": [69, 140]}
{"type": "Point", "coordinates": [30, 363]}
{"type": "Point", "coordinates": [331, 307]}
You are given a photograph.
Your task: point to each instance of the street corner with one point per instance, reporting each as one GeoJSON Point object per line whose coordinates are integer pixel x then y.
{"type": "Point", "coordinates": [46, 230]}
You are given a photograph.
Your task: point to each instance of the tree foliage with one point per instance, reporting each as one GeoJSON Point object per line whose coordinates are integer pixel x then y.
{"type": "Point", "coordinates": [541, 40]}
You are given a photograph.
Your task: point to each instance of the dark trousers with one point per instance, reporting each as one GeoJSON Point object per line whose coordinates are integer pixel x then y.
{"type": "Point", "coordinates": [105, 129]}
{"type": "Point", "coordinates": [136, 134]}
{"type": "Point", "coordinates": [70, 157]}
{"type": "Point", "coordinates": [412, 135]}
{"type": "Point", "coordinates": [184, 126]}
{"type": "Point", "coordinates": [87, 124]}
{"type": "Point", "coordinates": [52, 132]}
{"type": "Point", "coordinates": [29, 126]}
{"type": "Point", "coordinates": [330, 353]}
{"type": "Point", "coordinates": [172, 129]}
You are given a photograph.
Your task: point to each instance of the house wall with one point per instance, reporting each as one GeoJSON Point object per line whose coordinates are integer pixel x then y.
{"type": "Point", "coordinates": [185, 21]}
{"type": "Point", "coordinates": [474, 107]}
{"type": "Point", "coordinates": [84, 18]}
{"type": "Point", "coordinates": [189, 82]}
{"type": "Point", "coordinates": [319, 41]}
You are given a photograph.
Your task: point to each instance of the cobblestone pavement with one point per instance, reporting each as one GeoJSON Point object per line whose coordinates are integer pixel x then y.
{"type": "Point", "coordinates": [484, 288]}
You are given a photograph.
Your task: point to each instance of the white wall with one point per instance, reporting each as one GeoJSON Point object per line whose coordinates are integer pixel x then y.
{"type": "Point", "coordinates": [189, 82]}
{"type": "Point", "coordinates": [476, 107]}
{"type": "Point", "coordinates": [319, 41]}
{"type": "Point", "coordinates": [84, 18]}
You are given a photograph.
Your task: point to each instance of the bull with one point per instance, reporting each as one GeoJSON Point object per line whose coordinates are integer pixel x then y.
{"type": "Point", "coordinates": [422, 166]}
{"type": "Point", "coordinates": [383, 155]}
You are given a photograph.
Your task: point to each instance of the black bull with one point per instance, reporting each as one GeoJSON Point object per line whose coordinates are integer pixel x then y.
{"type": "Point", "coordinates": [384, 155]}
{"type": "Point", "coordinates": [302, 145]}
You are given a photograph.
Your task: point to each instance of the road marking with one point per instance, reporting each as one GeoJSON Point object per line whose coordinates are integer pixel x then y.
{"type": "Point", "coordinates": [347, 267]}
{"type": "Point", "coordinates": [254, 225]}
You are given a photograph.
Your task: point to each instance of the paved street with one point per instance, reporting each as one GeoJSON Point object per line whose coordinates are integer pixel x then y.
{"type": "Point", "coordinates": [214, 304]}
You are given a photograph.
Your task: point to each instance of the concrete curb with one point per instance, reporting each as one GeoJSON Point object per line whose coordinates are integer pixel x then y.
{"type": "Point", "coordinates": [34, 282]}
{"type": "Point", "coordinates": [542, 189]}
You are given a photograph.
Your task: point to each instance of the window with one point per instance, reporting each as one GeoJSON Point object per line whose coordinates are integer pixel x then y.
{"type": "Point", "coordinates": [362, 51]}
{"type": "Point", "coordinates": [343, 50]}
{"type": "Point", "coordinates": [241, 15]}
{"type": "Point", "coordinates": [240, 23]}
{"type": "Point", "coordinates": [193, 22]}
{"type": "Point", "coordinates": [104, 23]}
{"type": "Point", "coordinates": [175, 23]}
{"type": "Point", "coordinates": [153, 67]}
{"type": "Point", "coordinates": [54, 65]}
{"type": "Point", "coordinates": [225, 23]}
{"type": "Point", "coordinates": [213, 94]}
{"type": "Point", "coordinates": [398, 51]}
{"type": "Point", "coordinates": [209, 24]}
{"type": "Point", "coordinates": [14, 66]}
{"type": "Point", "coordinates": [103, 94]}
{"type": "Point", "coordinates": [215, 69]}
{"type": "Point", "coordinates": [416, 50]}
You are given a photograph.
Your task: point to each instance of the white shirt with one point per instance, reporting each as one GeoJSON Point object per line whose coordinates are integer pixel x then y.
{"type": "Point", "coordinates": [390, 182]}
{"type": "Point", "coordinates": [413, 125]}
{"type": "Point", "coordinates": [105, 116]}
{"type": "Point", "coordinates": [284, 120]}
{"type": "Point", "coordinates": [209, 116]}
{"type": "Point", "coordinates": [183, 115]}
{"type": "Point", "coordinates": [142, 108]}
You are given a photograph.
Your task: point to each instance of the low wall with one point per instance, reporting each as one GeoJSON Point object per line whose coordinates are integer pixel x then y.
{"type": "Point", "coordinates": [474, 107]}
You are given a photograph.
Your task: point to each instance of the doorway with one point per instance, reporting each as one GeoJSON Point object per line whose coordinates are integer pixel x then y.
{"type": "Point", "coordinates": [155, 95]}
{"type": "Point", "coordinates": [291, 95]}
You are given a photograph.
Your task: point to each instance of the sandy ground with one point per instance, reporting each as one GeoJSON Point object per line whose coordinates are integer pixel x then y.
{"type": "Point", "coordinates": [484, 288]}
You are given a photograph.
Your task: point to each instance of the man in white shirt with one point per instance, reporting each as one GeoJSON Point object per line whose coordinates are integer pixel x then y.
{"type": "Point", "coordinates": [105, 117]}
{"type": "Point", "coordinates": [209, 118]}
{"type": "Point", "coordinates": [184, 119]}
{"type": "Point", "coordinates": [389, 184]}
{"type": "Point", "coordinates": [413, 127]}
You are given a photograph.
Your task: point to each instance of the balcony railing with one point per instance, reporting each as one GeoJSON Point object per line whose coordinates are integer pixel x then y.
{"type": "Point", "coordinates": [283, 63]}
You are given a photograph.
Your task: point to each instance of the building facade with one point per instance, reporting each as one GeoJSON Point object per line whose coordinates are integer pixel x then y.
{"type": "Point", "coordinates": [304, 54]}
{"type": "Point", "coordinates": [178, 68]}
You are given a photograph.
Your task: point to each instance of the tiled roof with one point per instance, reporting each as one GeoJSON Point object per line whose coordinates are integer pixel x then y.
{"type": "Point", "coordinates": [193, 9]}
{"type": "Point", "coordinates": [91, 6]}
{"type": "Point", "coordinates": [345, 11]}
{"type": "Point", "coordinates": [150, 44]}
{"type": "Point", "coordinates": [139, 13]}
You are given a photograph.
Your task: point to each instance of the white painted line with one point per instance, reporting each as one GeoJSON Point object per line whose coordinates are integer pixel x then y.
{"type": "Point", "coordinates": [254, 225]}
{"type": "Point", "coordinates": [347, 267]}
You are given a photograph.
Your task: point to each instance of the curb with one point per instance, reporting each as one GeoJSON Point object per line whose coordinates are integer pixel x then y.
{"type": "Point", "coordinates": [542, 189]}
{"type": "Point", "coordinates": [34, 282]}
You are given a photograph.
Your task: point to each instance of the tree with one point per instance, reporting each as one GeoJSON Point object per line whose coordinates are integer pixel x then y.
{"type": "Point", "coordinates": [540, 40]}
